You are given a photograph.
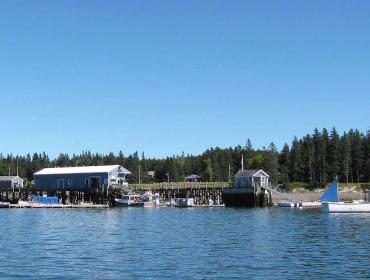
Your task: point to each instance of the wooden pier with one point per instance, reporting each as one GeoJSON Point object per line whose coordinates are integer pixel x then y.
{"type": "Point", "coordinates": [202, 192]}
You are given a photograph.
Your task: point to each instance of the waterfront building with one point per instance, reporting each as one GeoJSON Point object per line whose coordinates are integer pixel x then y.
{"type": "Point", "coordinates": [251, 178]}
{"type": "Point", "coordinates": [249, 189]}
{"type": "Point", "coordinates": [86, 178]}
{"type": "Point", "coordinates": [10, 183]}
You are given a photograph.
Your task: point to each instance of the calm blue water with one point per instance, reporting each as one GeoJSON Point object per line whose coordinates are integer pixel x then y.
{"type": "Point", "coordinates": [164, 243]}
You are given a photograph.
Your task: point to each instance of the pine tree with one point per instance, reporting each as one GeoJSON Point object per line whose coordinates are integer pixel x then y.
{"type": "Point", "coordinates": [366, 166]}
{"type": "Point", "coordinates": [316, 139]}
{"type": "Point", "coordinates": [271, 163]}
{"type": "Point", "coordinates": [307, 156]}
{"type": "Point", "coordinates": [333, 154]}
{"type": "Point", "coordinates": [324, 156]}
{"type": "Point", "coordinates": [346, 156]}
{"type": "Point", "coordinates": [296, 160]}
{"type": "Point", "coordinates": [356, 153]}
{"type": "Point", "coordinates": [284, 164]}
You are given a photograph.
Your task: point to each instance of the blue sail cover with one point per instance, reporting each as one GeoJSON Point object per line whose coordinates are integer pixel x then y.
{"type": "Point", "coordinates": [331, 194]}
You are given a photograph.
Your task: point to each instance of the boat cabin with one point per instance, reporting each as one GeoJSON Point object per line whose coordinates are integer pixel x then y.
{"type": "Point", "coordinates": [251, 179]}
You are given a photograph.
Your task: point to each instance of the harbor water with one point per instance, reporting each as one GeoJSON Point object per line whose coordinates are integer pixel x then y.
{"type": "Point", "coordinates": [193, 243]}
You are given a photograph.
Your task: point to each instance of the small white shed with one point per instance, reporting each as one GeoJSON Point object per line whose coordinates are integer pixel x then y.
{"type": "Point", "coordinates": [251, 179]}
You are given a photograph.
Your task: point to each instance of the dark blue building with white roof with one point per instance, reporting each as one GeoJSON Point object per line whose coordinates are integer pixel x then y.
{"type": "Point", "coordinates": [86, 178]}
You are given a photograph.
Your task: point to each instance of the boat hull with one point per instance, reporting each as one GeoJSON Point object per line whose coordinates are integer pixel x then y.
{"type": "Point", "coordinates": [286, 204]}
{"type": "Point", "coordinates": [120, 203]}
{"type": "Point", "coordinates": [127, 203]}
{"type": "Point", "coordinates": [341, 207]}
{"type": "Point", "coordinates": [4, 204]}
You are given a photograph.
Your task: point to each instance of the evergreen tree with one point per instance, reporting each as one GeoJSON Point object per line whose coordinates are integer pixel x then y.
{"type": "Point", "coordinates": [346, 156]}
{"type": "Point", "coordinates": [317, 145]}
{"type": "Point", "coordinates": [324, 156]}
{"type": "Point", "coordinates": [296, 160]}
{"type": "Point", "coordinates": [366, 167]}
{"type": "Point", "coordinates": [333, 154]}
{"type": "Point", "coordinates": [356, 153]}
{"type": "Point", "coordinates": [271, 164]}
{"type": "Point", "coordinates": [284, 164]}
{"type": "Point", "coordinates": [307, 157]}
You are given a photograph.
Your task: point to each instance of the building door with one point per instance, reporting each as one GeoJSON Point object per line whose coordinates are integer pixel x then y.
{"type": "Point", "coordinates": [60, 183]}
{"type": "Point", "coordinates": [95, 182]}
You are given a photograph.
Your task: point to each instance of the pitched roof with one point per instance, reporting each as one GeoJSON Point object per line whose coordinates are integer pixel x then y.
{"type": "Point", "coordinates": [82, 169]}
{"type": "Point", "coordinates": [249, 173]}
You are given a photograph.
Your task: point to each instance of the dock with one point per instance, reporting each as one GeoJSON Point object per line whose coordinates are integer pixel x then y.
{"type": "Point", "coordinates": [35, 205]}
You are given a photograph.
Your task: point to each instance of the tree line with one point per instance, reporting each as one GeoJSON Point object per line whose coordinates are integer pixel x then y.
{"type": "Point", "coordinates": [314, 159]}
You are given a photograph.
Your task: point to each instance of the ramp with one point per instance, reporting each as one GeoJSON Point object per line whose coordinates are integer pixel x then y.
{"type": "Point", "coordinates": [277, 191]}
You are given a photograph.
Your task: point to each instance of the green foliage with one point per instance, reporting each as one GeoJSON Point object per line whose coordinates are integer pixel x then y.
{"type": "Point", "coordinates": [298, 185]}
{"type": "Point", "coordinates": [312, 161]}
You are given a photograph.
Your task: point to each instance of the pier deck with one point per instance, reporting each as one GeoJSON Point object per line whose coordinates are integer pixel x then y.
{"type": "Point", "coordinates": [59, 206]}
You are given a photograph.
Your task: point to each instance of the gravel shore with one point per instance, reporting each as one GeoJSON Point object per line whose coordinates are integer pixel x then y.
{"type": "Point", "coordinates": [315, 196]}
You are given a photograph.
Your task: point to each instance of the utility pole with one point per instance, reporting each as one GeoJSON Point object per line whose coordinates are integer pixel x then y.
{"type": "Point", "coordinates": [139, 174]}
{"type": "Point", "coordinates": [229, 173]}
{"type": "Point", "coordinates": [242, 162]}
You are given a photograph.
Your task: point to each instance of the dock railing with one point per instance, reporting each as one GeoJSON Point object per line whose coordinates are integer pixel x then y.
{"type": "Point", "coordinates": [180, 185]}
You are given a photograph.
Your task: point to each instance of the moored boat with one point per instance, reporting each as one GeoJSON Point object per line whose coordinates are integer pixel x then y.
{"type": "Point", "coordinates": [344, 207]}
{"type": "Point", "coordinates": [286, 204]}
{"type": "Point", "coordinates": [131, 200]}
{"type": "Point", "coordinates": [331, 204]}
{"type": "Point", "coordinates": [150, 199]}
{"type": "Point", "coordinates": [182, 202]}
{"type": "Point", "coordinates": [4, 204]}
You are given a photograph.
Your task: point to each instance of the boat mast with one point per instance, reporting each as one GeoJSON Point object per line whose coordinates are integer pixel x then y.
{"type": "Point", "coordinates": [336, 179]}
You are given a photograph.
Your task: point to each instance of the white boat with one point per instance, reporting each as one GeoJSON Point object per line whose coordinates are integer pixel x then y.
{"type": "Point", "coordinates": [331, 204]}
{"type": "Point", "coordinates": [344, 207]}
{"type": "Point", "coordinates": [285, 204]}
{"type": "Point", "coordinates": [4, 204]}
{"type": "Point", "coordinates": [132, 200]}
{"type": "Point", "coordinates": [182, 202]}
{"type": "Point", "coordinates": [150, 199]}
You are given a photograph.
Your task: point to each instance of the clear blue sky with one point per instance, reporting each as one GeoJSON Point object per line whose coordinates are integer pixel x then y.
{"type": "Point", "coordinates": [170, 76]}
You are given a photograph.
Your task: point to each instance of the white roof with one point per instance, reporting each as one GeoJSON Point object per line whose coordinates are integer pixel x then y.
{"type": "Point", "coordinates": [82, 169]}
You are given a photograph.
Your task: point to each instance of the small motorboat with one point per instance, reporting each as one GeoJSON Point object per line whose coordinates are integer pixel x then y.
{"type": "Point", "coordinates": [182, 202]}
{"type": "Point", "coordinates": [131, 200]}
{"type": "Point", "coordinates": [4, 204]}
{"type": "Point", "coordinates": [150, 199]}
{"type": "Point", "coordinates": [285, 204]}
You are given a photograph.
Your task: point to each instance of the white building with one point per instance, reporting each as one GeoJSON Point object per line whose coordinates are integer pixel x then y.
{"type": "Point", "coordinates": [251, 179]}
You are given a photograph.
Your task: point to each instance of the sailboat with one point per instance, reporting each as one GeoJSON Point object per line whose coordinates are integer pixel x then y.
{"type": "Point", "coordinates": [331, 204]}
